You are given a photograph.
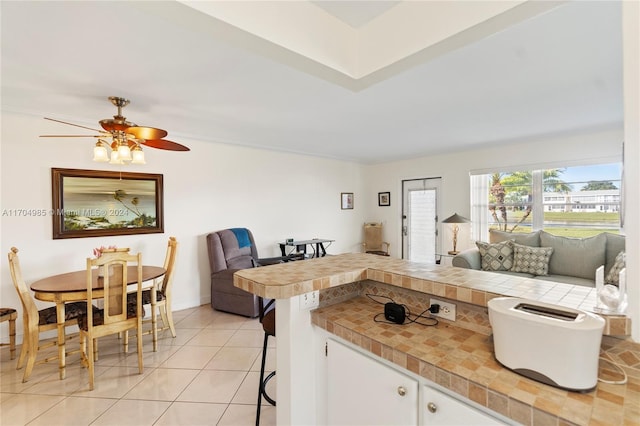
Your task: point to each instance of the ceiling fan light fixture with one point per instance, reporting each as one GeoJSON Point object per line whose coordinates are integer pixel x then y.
{"type": "Point", "coordinates": [115, 159]}
{"type": "Point", "coordinates": [100, 153]}
{"type": "Point", "coordinates": [125, 138]}
{"type": "Point", "coordinates": [124, 153]}
{"type": "Point", "coordinates": [138, 155]}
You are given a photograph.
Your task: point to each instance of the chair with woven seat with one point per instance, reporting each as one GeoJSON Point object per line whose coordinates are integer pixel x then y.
{"type": "Point", "coordinates": [162, 296]}
{"type": "Point", "coordinates": [37, 321]}
{"type": "Point", "coordinates": [373, 239]}
{"type": "Point", "coordinates": [118, 315]}
{"type": "Point", "coordinates": [10, 314]}
{"type": "Point", "coordinates": [268, 319]}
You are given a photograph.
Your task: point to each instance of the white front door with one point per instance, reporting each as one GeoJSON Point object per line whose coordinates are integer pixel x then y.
{"type": "Point", "coordinates": [420, 208]}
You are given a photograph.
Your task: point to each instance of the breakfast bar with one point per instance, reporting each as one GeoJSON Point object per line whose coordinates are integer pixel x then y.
{"type": "Point", "coordinates": [457, 356]}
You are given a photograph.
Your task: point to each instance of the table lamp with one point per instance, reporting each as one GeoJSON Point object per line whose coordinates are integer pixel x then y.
{"type": "Point", "coordinates": [456, 219]}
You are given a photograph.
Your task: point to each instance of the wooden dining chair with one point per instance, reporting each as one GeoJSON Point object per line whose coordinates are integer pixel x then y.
{"type": "Point", "coordinates": [38, 321]}
{"type": "Point", "coordinates": [117, 315]}
{"type": "Point", "coordinates": [163, 296]}
{"type": "Point", "coordinates": [10, 314]}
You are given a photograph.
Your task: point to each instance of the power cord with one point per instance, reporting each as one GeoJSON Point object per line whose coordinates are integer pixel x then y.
{"type": "Point", "coordinates": [432, 309]}
{"type": "Point", "coordinates": [372, 296]}
{"type": "Point", "coordinates": [614, 382]}
{"type": "Point", "coordinates": [411, 318]}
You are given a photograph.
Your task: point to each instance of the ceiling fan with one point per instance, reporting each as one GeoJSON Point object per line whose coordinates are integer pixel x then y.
{"type": "Point", "coordinates": [123, 137]}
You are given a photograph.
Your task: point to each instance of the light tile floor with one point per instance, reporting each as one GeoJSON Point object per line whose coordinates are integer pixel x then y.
{"type": "Point", "coordinates": [207, 375]}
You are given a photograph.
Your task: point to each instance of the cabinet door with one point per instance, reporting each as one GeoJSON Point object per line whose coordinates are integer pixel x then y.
{"type": "Point", "coordinates": [441, 409]}
{"type": "Point", "coordinates": [363, 391]}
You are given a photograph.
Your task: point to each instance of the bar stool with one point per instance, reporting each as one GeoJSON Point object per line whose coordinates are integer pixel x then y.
{"type": "Point", "coordinates": [10, 314]}
{"type": "Point", "coordinates": [267, 315]}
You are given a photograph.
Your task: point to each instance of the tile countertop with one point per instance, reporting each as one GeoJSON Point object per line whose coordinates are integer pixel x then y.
{"type": "Point", "coordinates": [286, 280]}
{"type": "Point", "coordinates": [462, 361]}
{"type": "Point", "coordinates": [457, 358]}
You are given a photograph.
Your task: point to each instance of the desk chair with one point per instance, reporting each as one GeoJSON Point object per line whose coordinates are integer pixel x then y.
{"type": "Point", "coordinates": [10, 314]}
{"type": "Point", "coordinates": [36, 321]}
{"type": "Point", "coordinates": [118, 314]}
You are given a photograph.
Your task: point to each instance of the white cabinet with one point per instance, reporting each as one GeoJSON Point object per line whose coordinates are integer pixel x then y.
{"type": "Point", "coordinates": [363, 391]}
{"type": "Point", "coordinates": [443, 410]}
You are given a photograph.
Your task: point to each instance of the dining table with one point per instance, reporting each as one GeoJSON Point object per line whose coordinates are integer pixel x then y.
{"type": "Point", "coordinates": [72, 287]}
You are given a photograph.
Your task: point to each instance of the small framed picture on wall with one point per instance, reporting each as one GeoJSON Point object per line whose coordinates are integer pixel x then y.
{"type": "Point", "coordinates": [384, 199]}
{"type": "Point", "coordinates": [346, 200]}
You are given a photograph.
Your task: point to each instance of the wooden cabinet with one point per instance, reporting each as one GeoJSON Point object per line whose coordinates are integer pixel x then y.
{"type": "Point", "coordinates": [364, 390]}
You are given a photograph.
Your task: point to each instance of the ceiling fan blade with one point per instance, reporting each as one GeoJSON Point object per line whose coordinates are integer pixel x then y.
{"type": "Point", "coordinates": [164, 144]}
{"type": "Point", "coordinates": [71, 124]}
{"type": "Point", "coordinates": [141, 132]}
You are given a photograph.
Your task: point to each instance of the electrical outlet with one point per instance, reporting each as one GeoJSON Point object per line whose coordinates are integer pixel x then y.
{"type": "Point", "coordinates": [447, 310]}
{"type": "Point", "coordinates": [310, 300]}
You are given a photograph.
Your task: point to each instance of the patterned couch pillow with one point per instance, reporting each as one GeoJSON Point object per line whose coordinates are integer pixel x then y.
{"type": "Point", "coordinates": [613, 277]}
{"type": "Point", "coordinates": [532, 260]}
{"type": "Point", "coordinates": [496, 257]}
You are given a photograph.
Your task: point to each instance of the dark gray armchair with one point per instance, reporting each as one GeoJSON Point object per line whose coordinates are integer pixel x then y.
{"type": "Point", "coordinates": [229, 251]}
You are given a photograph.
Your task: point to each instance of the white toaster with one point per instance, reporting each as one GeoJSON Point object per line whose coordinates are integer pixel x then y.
{"type": "Point", "coordinates": [551, 344]}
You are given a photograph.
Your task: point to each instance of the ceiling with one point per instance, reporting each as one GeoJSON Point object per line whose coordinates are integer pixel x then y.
{"type": "Point", "coordinates": [355, 13]}
{"type": "Point", "coordinates": [200, 77]}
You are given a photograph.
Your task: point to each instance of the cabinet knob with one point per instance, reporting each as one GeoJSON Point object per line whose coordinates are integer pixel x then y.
{"type": "Point", "coordinates": [432, 407]}
{"type": "Point", "coordinates": [402, 391]}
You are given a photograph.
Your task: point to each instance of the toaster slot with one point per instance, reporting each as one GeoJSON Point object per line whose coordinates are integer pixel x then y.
{"type": "Point", "coordinates": [547, 312]}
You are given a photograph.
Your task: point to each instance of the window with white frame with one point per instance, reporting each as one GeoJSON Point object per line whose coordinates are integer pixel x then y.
{"type": "Point", "coordinates": [577, 201]}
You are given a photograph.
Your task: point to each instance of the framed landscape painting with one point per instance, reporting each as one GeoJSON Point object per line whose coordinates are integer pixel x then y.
{"type": "Point", "coordinates": [91, 203]}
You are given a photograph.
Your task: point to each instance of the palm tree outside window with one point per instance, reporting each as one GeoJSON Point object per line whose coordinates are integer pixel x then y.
{"type": "Point", "coordinates": [574, 201]}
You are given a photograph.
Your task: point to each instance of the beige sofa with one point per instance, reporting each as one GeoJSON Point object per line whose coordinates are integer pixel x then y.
{"type": "Point", "coordinates": [570, 260]}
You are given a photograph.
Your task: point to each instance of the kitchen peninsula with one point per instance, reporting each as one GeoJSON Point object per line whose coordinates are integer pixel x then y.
{"type": "Point", "coordinates": [457, 356]}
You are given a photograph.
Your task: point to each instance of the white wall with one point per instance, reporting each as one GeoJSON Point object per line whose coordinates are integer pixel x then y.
{"type": "Point", "coordinates": [215, 186]}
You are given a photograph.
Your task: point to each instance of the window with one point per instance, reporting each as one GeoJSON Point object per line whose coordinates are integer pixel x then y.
{"type": "Point", "coordinates": [574, 201]}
